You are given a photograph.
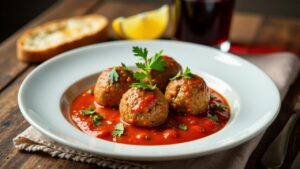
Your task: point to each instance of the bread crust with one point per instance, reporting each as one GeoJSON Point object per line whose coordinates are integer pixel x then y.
{"type": "Point", "coordinates": [39, 55]}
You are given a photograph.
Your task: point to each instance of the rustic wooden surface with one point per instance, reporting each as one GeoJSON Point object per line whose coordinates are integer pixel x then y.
{"type": "Point", "coordinates": [250, 29]}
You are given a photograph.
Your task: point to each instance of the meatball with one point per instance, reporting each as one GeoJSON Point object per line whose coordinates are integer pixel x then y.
{"type": "Point", "coordinates": [144, 108]}
{"type": "Point", "coordinates": [161, 79]}
{"type": "Point", "coordinates": [108, 93]}
{"type": "Point", "coordinates": [189, 96]}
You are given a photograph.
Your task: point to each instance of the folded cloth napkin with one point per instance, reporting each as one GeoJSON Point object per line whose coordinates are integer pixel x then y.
{"type": "Point", "coordinates": [283, 68]}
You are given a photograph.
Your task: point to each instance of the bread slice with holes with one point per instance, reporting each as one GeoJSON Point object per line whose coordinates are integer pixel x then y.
{"type": "Point", "coordinates": [49, 39]}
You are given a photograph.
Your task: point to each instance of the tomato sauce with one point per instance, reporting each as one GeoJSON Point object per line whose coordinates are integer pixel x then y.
{"type": "Point", "coordinates": [177, 129]}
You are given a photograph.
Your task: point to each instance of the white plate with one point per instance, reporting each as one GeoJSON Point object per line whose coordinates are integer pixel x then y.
{"type": "Point", "coordinates": [253, 97]}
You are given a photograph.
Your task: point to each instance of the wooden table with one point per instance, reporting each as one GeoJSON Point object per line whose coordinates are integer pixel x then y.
{"type": "Point", "coordinates": [250, 29]}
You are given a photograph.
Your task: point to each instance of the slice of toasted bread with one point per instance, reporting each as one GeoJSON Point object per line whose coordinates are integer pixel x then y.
{"type": "Point", "coordinates": [54, 37]}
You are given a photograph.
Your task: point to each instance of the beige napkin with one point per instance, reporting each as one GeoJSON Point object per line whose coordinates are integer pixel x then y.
{"type": "Point", "coordinates": [281, 67]}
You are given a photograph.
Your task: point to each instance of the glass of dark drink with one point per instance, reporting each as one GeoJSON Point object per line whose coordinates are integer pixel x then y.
{"type": "Point", "coordinates": [203, 21]}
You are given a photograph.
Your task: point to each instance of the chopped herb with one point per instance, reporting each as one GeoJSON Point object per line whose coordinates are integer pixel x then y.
{"type": "Point", "coordinates": [91, 108]}
{"type": "Point", "coordinates": [155, 63]}
{"type": "Point", "coordinates": [176, 76]}
{"type": "Point", "coordinates": [143, 86]}
{"type": "Point", "coordinates": [212, 97]}
{"type": "Point", "coordinates": [113, 76]}
{"type": "Point", "coordinates": [97, 117]}
{"type": "Point", "coordinates": [219, 107]}
{"type": "Point", "coordinates": [213, 117]}
{"type": "Point", "coordinates": [119, 130]}
{"type": "Point", "coordinates": [124, 66]}
{"type": "Point", "coordinates": [87, 112]}
{"type": "Point", "coordinates": [119, 126]}
{"type": "Point", "coordinates": [96, 122]}
{"type": "Point", "coordinates": [187, 73]}
{"type": "Point", "coordinates": [93, 115]}
{"type": "Point", "coordinates": [90, 91]}
{"type": "Point", "coordinates": [183, 127]}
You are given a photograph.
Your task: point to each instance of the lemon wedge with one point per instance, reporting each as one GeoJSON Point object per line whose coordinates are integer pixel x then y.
{"type": "Point", "coordinates": [146, 25]}
{"type": "Point", "coordinates": [116, 27]}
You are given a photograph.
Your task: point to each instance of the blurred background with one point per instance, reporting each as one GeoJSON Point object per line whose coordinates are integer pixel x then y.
{"type": "Point", "coordinates": [15, 13]}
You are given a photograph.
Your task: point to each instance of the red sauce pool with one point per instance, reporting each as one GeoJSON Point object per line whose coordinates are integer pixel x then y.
{"type": "Point", "coordinates": [195, 127]}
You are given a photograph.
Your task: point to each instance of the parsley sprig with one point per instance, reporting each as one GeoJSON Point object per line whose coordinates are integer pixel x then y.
{"type": "Point", "coordinates": [113, 76]}
{"type": "Point", "coordinates": [119, 130]}
{"type": "Point", "coordinates": [154, 63]}
{"type": "Point", "coordinates": [90, 111]}
{"type": "Point", "coordinates": [187, 74]}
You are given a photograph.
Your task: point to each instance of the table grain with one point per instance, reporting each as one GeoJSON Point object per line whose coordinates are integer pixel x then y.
{"type": "Point", "coordinates": [247, 28]}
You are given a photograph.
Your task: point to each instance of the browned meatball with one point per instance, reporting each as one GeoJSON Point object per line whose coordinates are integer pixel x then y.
{"type": "Point", "coordinates": [188, 95]}
{"type": "Point", "coordinates": [144, 108]}
{"type": "Point", "coordinates": [108, 93]}
{"type": "Point", "coordinates": [161, 79]}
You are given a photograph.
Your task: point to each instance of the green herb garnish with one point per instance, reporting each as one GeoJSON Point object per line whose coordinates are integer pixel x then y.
{"type": "Point", "coordinates": [218, 107]}
{"type": "Point", "coordinates": [140, 76]}
{"type": "Point", "coordinates": [124, 66]}
{"type": "Point", "coordinates": [139, 52]}
{"type": "Point", "coordinates": [89, 111]}
{"type": "Point", "coordinates": [113, 76]}
{"type": "Point", "coordinates": [183, 127]}
{"type": "Point", "coordinates": [140, 65]}
{"type": "Point", "coordinates": [187, 74]}
{"type": "Point", "coordinates": [91, 108]}
{"type": "Point", "coordinates": [212, 97]}
{"type": "Point", "coordinates": [97, 117]}
{"type": "Point", "coordinates": [93, 115]}
{"type": "Point", "coordinates": [119, 130]}
{"type": "Point", "coordinates": [96, 122]}
{"type": "Point", "coordinates": [143, 86]}
{"type": "Point", "coordinates": [213, 117]}
{"type": "Point", "coordinates": [176, 76]}
{"type": "Point", "coordinates": [155, 63]}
